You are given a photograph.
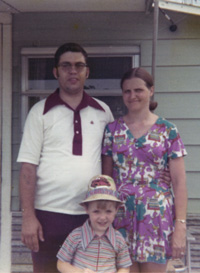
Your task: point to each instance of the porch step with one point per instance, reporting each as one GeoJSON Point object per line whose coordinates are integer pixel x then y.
{"type": "Point", "coordinates": [22, 268]}
{"type": "Point", "coordinates": [21, 256]}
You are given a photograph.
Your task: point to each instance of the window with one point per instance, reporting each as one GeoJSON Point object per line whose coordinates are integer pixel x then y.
{"type": "Point", "coordinates": [107, 65]}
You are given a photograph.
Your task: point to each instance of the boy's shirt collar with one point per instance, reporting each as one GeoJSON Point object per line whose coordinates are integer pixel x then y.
{"type": "Point", "coordinates": [88, 235]}
{"type": "Point", "coordinates": [54, 100]}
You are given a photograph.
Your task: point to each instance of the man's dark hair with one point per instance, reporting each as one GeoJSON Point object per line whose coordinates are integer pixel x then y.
{"type": "Point", "coordinates": [72, 47]}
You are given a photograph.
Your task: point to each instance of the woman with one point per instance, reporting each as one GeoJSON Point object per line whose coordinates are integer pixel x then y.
{"type": "Point", "coordinates": [137, 148]}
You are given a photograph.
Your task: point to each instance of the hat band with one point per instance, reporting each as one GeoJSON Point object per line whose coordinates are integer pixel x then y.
{"type": "Point", "coordinates": [102, 191]}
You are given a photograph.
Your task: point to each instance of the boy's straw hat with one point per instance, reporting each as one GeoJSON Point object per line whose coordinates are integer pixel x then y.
{"type": "Point", "coordinates": [101, 187]}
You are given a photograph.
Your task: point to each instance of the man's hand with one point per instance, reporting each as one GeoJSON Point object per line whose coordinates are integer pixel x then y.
{"type": "Point", "coordinates": [165, 177]}
{"type": "Point", "coordinates": [31, 227]}
{"type": "Point", "coordinates": [31, 232]}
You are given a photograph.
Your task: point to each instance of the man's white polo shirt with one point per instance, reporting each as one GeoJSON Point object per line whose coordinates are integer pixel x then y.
{"type": "Point", "coordinates": [66, 146]}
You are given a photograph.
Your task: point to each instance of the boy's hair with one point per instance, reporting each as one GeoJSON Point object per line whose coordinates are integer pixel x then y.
{"type": "Point", "coordinates": [69, 47]}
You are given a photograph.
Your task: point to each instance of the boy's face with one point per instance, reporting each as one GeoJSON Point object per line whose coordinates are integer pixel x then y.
{"type": "Point", "coordinates": [101, 218]}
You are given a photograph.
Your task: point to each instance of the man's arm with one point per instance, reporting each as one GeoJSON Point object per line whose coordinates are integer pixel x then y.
{"type": "Point", "coordinates": [31, 228]}
{"type": "Point", "coordinates": [64, 267]}
{"type": "Point", "coordinates": [107, 165]}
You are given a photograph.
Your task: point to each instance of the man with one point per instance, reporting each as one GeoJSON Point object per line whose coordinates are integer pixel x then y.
{"type": "Point", "coordinates": [60, 152]}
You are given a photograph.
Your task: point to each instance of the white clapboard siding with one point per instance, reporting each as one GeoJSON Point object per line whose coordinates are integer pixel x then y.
{"type": "Point", "coordinates": [169, 52]}
{"type": "Point", "coordinates": [192, 160]}
{"type": "Point", "coordinates": [178, 105]}
{"type": "Point", "coordinates": [178, 79]}
{"type": "Point", "coordinates": [193, 185]}
{"type": "Point", "coordinates": [189, 129]}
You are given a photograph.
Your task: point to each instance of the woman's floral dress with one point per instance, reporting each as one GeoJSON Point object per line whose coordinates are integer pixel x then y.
{"type": "Point", "coordinates": [146, 218]}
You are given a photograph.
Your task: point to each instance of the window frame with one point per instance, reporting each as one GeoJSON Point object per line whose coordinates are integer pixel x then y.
{"type": "Point", "coordinates": [48, 52]}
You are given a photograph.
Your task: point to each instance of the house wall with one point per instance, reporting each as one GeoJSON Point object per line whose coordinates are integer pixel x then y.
{"type": "Point", "coordinates": [5, 138]}
{"type": "Point", "coordinates": [177, 74]}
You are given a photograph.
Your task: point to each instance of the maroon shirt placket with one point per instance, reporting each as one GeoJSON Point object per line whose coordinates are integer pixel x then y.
{"type": "Point", "coordinates": [77, 140]}
{"type": "Point", "coordinates": [55, 100]}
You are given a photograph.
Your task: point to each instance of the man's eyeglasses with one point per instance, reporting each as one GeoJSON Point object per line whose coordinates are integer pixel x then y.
{"type": "Point", "coordinates": [67, 67]}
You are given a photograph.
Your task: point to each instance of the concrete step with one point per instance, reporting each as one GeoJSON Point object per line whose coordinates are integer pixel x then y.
{"type": "Point", "coordinates": [21, 257]}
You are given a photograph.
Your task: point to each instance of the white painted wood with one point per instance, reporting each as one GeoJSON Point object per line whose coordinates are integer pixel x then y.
{"type": "Point", "coordinates": [5, 246]}
{"type": "Point", "coordinates": [193, 207]}
{"type": "Point", "coordinates": [179, 105]}
{"type": "Point", "coordinates": [189, 130]}
{"type": "Point", "coordinates": [180, 7]}
{"type": "Point", "coordinates": [5, 18]}
{"type": "Point", "coordinates": [183, 79]}
{"type": "Point", "coordinates": [93, 51]}
{"type": "Point", "coordinates": [186, 2]}
{"type": "Point", "coordinates": [192, 185]}
{"type": "Point", "coordinates": [192, 159]}
{"type": "Point", "coordinates": [24, 100]}
{"type": "Point", "coordinates": [74, 5]}
{"type": "Point", "coordinates": [173, 52]}
{"type": "Point", "coordinates": [0, 105]}
{"type": "Point", "coordinates": [178, 79]}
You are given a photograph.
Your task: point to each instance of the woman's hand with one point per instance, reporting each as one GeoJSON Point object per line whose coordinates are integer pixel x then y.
{"type": "Point", "coordinates": [179, 240]}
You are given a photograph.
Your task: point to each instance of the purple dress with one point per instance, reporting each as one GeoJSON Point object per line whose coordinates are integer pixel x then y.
{"type": "Point", "coordinates": [146, 218]}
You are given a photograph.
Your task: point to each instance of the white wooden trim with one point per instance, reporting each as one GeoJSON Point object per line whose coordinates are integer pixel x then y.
{"type": "Point", "coordinates": [180, 7]}
{"type": "Point", "coordinates": [5, 246]}
{"type": "Point", "coordinates": [0, 100]}
{"type": "Point", "coordinates": [94, 50]}
{"type": "Point", "coordinates": [91, 92]}
{"type": "Point", "coordinates": [5, 18]}
{"type": "Point", "coordinates": [24, 108]}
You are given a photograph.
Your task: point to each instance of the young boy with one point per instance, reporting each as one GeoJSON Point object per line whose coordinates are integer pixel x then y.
{"type": "Point", "coordinates": [96, 246]}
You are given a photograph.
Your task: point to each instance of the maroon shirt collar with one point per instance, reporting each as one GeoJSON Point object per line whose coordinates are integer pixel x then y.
{"type": "Point", "coordinates": [54, 100]}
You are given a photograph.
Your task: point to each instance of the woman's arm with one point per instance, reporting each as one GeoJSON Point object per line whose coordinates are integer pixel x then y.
{"type": "Point", "coordinates": [107, 165]}
{"type": "Point", "coordinates": [177, 172]}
